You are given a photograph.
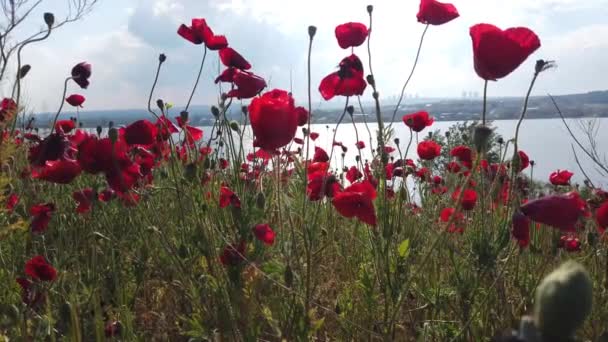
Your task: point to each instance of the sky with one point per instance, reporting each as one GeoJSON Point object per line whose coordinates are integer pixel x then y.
{"type": "Point", "coordinates": [122, 40]}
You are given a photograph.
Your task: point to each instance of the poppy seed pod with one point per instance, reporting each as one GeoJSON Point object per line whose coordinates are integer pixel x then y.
{"type": "Point", "coordinates": [183, 116]}
{"type": "Point", "coordinates": [49, 19]}
{"type": "Point", "coordinates": [350, 110]}
{"type": "Point", "coordinates": [370, 80]}
{"type": "Point", "coordinates": [99, 130]}
{"type": "Point", "coordinates": [481, 135]}
{"type": "Point", "coordinates": [563, 302]}
{"type": "Point", "coordinates": [162, 58]}
{"type": "Point", "coordinates": [160, 104]}
{"type": "Point", "coordinates": [234, 126]}
{"type": "Point", "coordinates": [215, 111]}
{"type": "Point", "coordinates": [370, 9]}
{"type": "Point", "coordinates": [24, 70]}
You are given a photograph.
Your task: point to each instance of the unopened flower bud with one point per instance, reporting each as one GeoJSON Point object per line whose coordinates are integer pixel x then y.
{"type": "Point", "coordinates": [160, 104]}
{"type": "Point", "coordinates": [113, 135]}
{"type": "Point", "coordinates": [447, 134]}
{"type": "Point", "coordinates": [563, 302]}
{"type": "Point", "coordinates": [370, 9]}
{"type": "Point", "coordinates": [234, 126]}
{"type": "Point", "coordinates": [532, 162]}
{"type": "Point", "coordinates": [350, 110]}
{"type": "Point", "coordinates": [481, 135]}
{"type": "Point", "coordinates": [184, 116]}
{"type": "Point", "coordinates": [304, 131]}
{"type": "Point", "coordinates": [49, 19]}
{"type": "Point", "coordinates": [244, 110]}
{"type": "Point", "coordinates": [312, 30]}
{"type": "Point", "coordinates": [370, 80]}
{"type": "Point", "coordinates": [162, 58]}
{"type": "Point", "coordinates": [357, 158]}
{"type": "Point", "coordinates": [396, 141]}
{"type": "Point", "coordinates": [215, 111]}
{"type": "Point", "coordinates": [99, 130]}
{"type": "Point", "coordinates": [110, 124]}
{"type": "Point", "coordinates": [24, 70]}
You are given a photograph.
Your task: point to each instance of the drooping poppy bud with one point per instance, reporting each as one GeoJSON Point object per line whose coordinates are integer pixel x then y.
{"type": "Point", "coordinates": [49, 19]}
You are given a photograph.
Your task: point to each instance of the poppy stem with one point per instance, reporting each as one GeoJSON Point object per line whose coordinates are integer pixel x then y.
{"type": "Point", "coordinates": [371, 143]}
{"type": "Point", "coordinates": [372, 81]}
{"type": "Point", "coordinates": [410, 76]}
{"type": "Point", "coordinates": [485, 102]}
{"type": "Point", "coordinates": [200, 72]}
{"type": "Point", "coordinates": [311, 36]}
{"type": "Point", "coordinates": [65, 90]}
{"type": "Point", "coordinates": [160, 63]}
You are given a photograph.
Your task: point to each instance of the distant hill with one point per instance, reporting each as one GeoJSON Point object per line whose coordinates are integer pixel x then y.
{"type": "Point", "coordinates": [591, 104]}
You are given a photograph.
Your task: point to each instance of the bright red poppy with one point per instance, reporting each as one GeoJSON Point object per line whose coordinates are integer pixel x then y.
{"type": "Point", "coordinates": [141, 132]}
{"type": "Point", "coordinates": [8, 108]}
{"type": "Point", "coordinates": [233, 255]}
{"type": "Point", "coordinates": [428, 150]}
{"type": "Point", "coordinates": [521, 229]}
{"type": "Point", "coordinates": [353, 174]}
{"type": "Point", "coordinates": [569, 243]}
{"type": "Point", "coordinates": [54, 147]}
{"type": "Point", "coordinates": [469, 198]}
{"type": "Point", "coordinates": [62, 171]}
{"type": "Point", "coordinates": [264, 233]}
{"type": "Point", "coordinates": [75, 100]}
{"type": "Point", "coordinates": [321, 184]}
{"type": "Point", "coordinates": [351, 34]}
{"type": "Point", "coordinates": [273, 118]}
{"type": "Point", "coordinates": [560, 211]}
{"type": "Point", "coordinates": [561, 177]}
{"type": "Point", "coordinates": [247, 83]}
{"type": "Point", "coordinates": [524, 160]}
{"type": "Point", "coordinates": [497, 53]}
{"type": "Point", "coordinates": [193, 134]}
{"type": "Point", "coordinates": [303, 116]}
{"type": "Point", "coordinates": [84, 198]}
{"type": "Point", "coordinates": [11, 202]}
{"type": "Point", "coordinates": [39, 269]}
{"type": "Point", "coordinates": [347, 81]}
{"type": "Point", "coordinates": [457, 219]}
{"type": "Point", "coordinates": [320, 155]}
{"type": "Point", "coordinates": [360, 145]}
{"type": "Point", "coordinates": [314, 136]}
{"type": "Point", "coordinates": [231, 58]}
{"type": "Point", "coordinates": [436, 13]}
{"type": "Point", "coordinates": [601, 217]}
{"type": "Point", "coordinates": [462, 153]}
{"type": "Point", "coordinates": [418, 121]}
{"type": "Point", "coordinates": [199, 32]}
{"type": "Point", "coordinates": [227, 197]}
{"type": "Point", "coordinates": [357, 201]}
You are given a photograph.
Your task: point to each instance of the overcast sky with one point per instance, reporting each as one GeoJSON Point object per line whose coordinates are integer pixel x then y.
{"type": "Point", "coordinates": [122, 40]}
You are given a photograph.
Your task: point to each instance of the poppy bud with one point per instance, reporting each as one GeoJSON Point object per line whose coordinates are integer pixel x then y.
{"type": "Point", "coordinates": [481, 136]}
{"type": "Point", "coordinates": [215, 111]}
{"type": "Point", "coordinates": [500, 140]}
{"type": "Point", "coordinates": [260, 200]}
{"type": "Point", "coordinates": [357, 159]}
{"type": "Point", "coordinates": [24, 70]}
{"type": "Point", "coordinates": [312, 30]}
{"type": "Point", "coordinates": [234, 126]}
{"type": "Point", "coordinates": [370, 9]}
{"type": "Point", "coordinates": [343, 155]}
{"type": "Point", "coordinates": [244, 110]}
{"type": "Point", "coordinates": [99, 130]}
{"type": "Point", "coordinates": [49, 19]}
{"type": "Point", "coordinates": [375, 95]}
{"type": "Point", "coordinates": [370, 80]}
{"type": "Point", "coordinates": [110, 124]}
{"type": "Point", "coordinates": [396, 140]}
{"type": "Point", "coordinates": [568, 289]}
{"type": "Point", "coordinates": [221, 143]}
{"type": "Point", "coordinates": [350, 110]}
{"type": "Point", "coordinates": [162, 58]}
{"type": "Point", "coordinates": [113, 134]}
{"type": "Point", "coordinates": [532, 162]}
{"type": "Point", "coordinates": [542, 65]}
{"type": "Point", "coordinates": [160, 104]}
{"type": "Point", "coordinates": [304, 131]}
{"type": "Point", "coordinates": [184, 116]}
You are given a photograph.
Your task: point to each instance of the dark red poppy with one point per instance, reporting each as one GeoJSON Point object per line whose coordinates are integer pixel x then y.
{"type": "Point", "coordinates": [569, 243]}
{"type": "Point", "coordinates": [320, 155]}
{"type": "Point", "coordinates": [347, 81]}
{"type": "Point", "coordinates": [314, 136]}
{"type": "Point", "coordinates": [273, 118]}
{"type": "Point", "coordinates": [560, 211]}
{"type": "Point", "coordinates": [469, 198]}
{"type": "Point", "coordinates": [65, 126]}
{"type": "Point", "coordinates": [141, 132]}
{"type": "Point", "coordinates": [8, 109]}
{"type": "Point", "coordinates": [524, 160]}
{"type": "Point", "coordinates": [39, 269]}
{"type": "Point", "coordinates": [388, 149]}
{"type": "Point", "coordinates": [351, 34]}
{"type": "Point", "coordinates": [165, 127]}
{"type": "Point", "coordinates": [601, 217]}
{"type": "Point", "coordinates": [298, 141]}
{"type": "Point", "coordinates": [436, 13]}
{"type": "Point", "coordinates": [264, 233]}
{"type": "Point", "coordinates": [303, 115]}
{"type": "Point", "coordinates": [84, 198]}
{"type": "Point", "coordinates": [199, 32]}
{"type": "Point", "coordinates": [521, 229]}
{"type": "Point", "coordinates": [357, 201]}
{"type": "Point", "coordinates": [75, 100]}
{"type": "Point", "coordinates": [11, 202]}
{"type": "Point", "coordinates": [418, 121]}
{"type": "Point", "coordinates": [62, 171]}
{"type": "Point", "coordinates": [106, 195]}
{"type": "Point", "coordinates": [29, 294]}
{"type": "Point", "coordinates": [560, 177]}
{"type": "Point", "coordinates": [231, 58]}
{"type": "Point", "coordinates": [81, 73]}
{"type": "Point", "coordinates": [321, 184]}
{"type": "Point", "coordinates": [247, 84]}
{"type": "Point", "coordinates": [360, 145]}
{"type": "Point", "coordinates": [122, 178]}
{"type": "Point", "coordinates": [101, 155]}
{"type": "Point", "coordinates": [462, 153]}
{"type": "Point", "coordinates": [453, 167]}
{"type": "Point", "coordinates": [497, 53]}
{"type": "Point", "coordinates": [428, 150]}
{"type": "Point", "coordinates": [457, 219]}
{"type": "Point", "coordinates": [233, 255]}
{"type": "Point", "coordinates": [53, 147]}
{"type": "Point", "coordinates": [353, 174]}
{"type": "Point", "coordinates": [227, 197]}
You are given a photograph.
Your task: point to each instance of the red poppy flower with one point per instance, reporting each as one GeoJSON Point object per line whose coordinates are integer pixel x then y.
{"type": "Point", "coordinates": [351, 34]}
{"type": "Point", "coordinates": [360, 145]}
{"type": "Point", "coordinates": [8, 108]}
{"type": "Point", "coordinates": [106, 195]}
{"type": "Point", "coordinates": [53, 147]}
{"type": "Point", "coordinates": [11, 202]}
{"type": "Point", "coordinates": [233, 255]}
{"type": "Point", "coordinates": [200, 33]}
{"type": "Point", "coordinates": [320, 155]}
{"type": "Point", "coordinates": [101, 155]}
{"type": "Point", "coordinates": [357, 201]}
{"type": "Point", "coordinates": [497, 53]}
{"type": "Point", "coordinates": [123, 178]}
{"type": "Point", "coordinates": [347, 81]}
{"type": "Point", "coordinates": [302, 114]}
{"type": "Point", "coordinates": [418, 121]}
{"type": "Point", "coordinates": [62, 171]}
{"type": "Point", "coordinates": [524, 160]}
{"type": "Point", "coordinates": [264, 233]}
{"type": "Point", "coordinates": [65, 126]}
{"type": "Point", "coordinates": [389, 149]}
{"type": "Point", "coordinates": [521, 229]}
{"type": "Point", "coordinates": [227, 197]}
{"type": "Point", "coordinates": [353, 174]}
{"type": "Point", "coordinates": [429, 150]}
{"type": "Point", "coordinates": [81, 73]}
{"type": "Point", "coordinates": [314, 188]}
{"type": "Point", "coordinates": [560, 211]}
{"type": "Point", "coordinates": [193, 134]}
{"type": "Point", "coordinates": [469, 198]}
{"type": "Point", "coordinates": [601, 216]}
{"type": "Point", "coordinates": [75, 100]}
{"type": "Point", "coordinates": [560, 177]}
{"type": "Point", "coordinates": [462, 153]}
{"type": "Point", "coordinates": [141, 132]}
{"type": "Point", "coordinates": [298, 141]}
{"type": "Point", "coordinates": [314, 136]}
{"type": "Point", "coordinates": [85, 198]}
{"type": "Point", "coordinates": [453, 167]}
{"type": "Point", "coordinates": [457, 219]}
{"type": "Point", "coordinates": [29, 294]}
{"type": "Point", "coordinates": [247, 84]}
{"type": "Point", "coordinates": [436, 13]}
{"type": "Point", "coordinates": [39, 269]}
{"type": "Point", "coordinates": [165, 127]}
{"type": "Point", "coordinates": [569, 243]}
{"type": "Point", "coordinates": [273, 118]}
{"type": "Point", "coordinates": [231, 58]}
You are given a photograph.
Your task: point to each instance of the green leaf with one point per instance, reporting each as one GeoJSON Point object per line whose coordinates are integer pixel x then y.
{"type": "Point", "coordinates": [404, 248]}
